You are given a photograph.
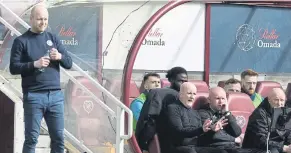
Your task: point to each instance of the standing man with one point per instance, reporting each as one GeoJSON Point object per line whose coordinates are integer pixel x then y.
{"type": "Point", "coordinates": [40, 73]}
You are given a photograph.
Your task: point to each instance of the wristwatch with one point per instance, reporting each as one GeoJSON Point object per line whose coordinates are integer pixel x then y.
{"type": "Point", "coordinates": [227, 113]}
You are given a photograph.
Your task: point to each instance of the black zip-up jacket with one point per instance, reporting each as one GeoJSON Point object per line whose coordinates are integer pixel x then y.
{"type": "Point", "coordinates": [182, 127]}
{"type": "Point", "coordinates": [223, 139]}
{"type": "Point", "coordinates": [150, 120]}
{"type": "Point", "coordinates": [258, 127]}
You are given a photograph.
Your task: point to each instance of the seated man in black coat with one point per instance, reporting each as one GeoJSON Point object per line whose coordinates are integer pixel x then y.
{"type": "Point", "coordinates": [227, 138]}
{"type": "Point", "coordinates": [183, 125]}
{"type": "Point", "coordinates": [150, 120]}
{"type": "Point", "coordinates": [260, 122]}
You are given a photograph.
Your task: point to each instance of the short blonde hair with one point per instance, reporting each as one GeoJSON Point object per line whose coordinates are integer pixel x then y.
{"type": "Point", "coordinates": [248, 72]}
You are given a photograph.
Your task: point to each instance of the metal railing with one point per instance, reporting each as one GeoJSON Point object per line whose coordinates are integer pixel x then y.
{"type": "Point", "coordinates": [119, 115]}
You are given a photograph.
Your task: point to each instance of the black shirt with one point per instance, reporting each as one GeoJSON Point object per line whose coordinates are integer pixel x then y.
{"type": "Point", "coordinates": [28, 48]}
{"type": "Point", "coordinates": [183, 126]}
{"type": "Point", "coordinates": [224, 138]}
{"type": "Point", "coordinates": [151, 120]}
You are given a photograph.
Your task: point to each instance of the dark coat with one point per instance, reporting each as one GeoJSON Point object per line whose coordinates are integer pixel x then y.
{"type": "Point", "coordinates": [258, 127]}
{"type": "Point", "coordinates": [223, 138]}
{"type": "Point", "coordinates": [150, 116]}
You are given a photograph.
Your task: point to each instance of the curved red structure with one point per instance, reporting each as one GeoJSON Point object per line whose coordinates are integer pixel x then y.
{"type": "Point", "coordinates": [134, 50]}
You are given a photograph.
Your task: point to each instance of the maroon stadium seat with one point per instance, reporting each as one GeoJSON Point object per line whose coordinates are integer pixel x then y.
{"type": "Point", "coordinates": [264, 87]}
{"type": "Point", "coordinates": [288, 91]}
{"type": "Point", "coordinates": [165, 83]}
{"type": "Point", "coordinates": [134, 91]}
{"type": "Point", "coordinates": [221, 84]}
{"type": "Point", "coordinates": [200, 85]}
{"type": "Point", "coordinates": [154, 146]}
{"type": "Point", "coordinates": [241, 106]}
{"type": "Point", "coordinates": [200, 100]}
{"type": "Point", "coordinates": [134, 143]}
{"type": "Point", "coordinates": [114, 87]}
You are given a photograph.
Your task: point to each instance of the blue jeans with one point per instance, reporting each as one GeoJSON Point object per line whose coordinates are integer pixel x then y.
{"type": "Point", "coordinates": [50, 105]}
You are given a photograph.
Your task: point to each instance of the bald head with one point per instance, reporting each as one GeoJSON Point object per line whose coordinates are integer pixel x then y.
{"type": "Point", "coordinates": [37, 9]}
{"type": "Point", "coordinates": [217, 98]}
{"type": "Point", "coordinates": [277, 98]}
{"type": "Point", "coordinates": [187, 94]}
{"type": "Point", "coordinates": [39, 18]}
{"type": "Point", "coordinates": [216, 91]}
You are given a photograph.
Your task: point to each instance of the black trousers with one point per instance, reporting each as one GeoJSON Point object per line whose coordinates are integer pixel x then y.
{"type": "Point", "coordinates": [275, 150]}
{"type": "Point", "coordinates": [239, 150]}
{"type": "Point", "coordinates": [192, 149]}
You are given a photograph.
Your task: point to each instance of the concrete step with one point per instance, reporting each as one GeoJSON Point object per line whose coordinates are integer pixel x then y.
{"type": "Point", "coordinates": [43, 145]}
{"type": "Point", "coordinates": [42, 150]}
{"type": "Point", "coordinates": [43, 141]}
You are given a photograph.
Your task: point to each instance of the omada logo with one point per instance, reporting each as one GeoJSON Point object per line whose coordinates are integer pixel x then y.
{"type": "Point", "coordinates": [247, 38]}
{"type": "Point", "coordinates": [268, 38]}
{"type": "Point", "coordinates": [68, 35]}
{"type": "Point", "coordinates": [154, 38]}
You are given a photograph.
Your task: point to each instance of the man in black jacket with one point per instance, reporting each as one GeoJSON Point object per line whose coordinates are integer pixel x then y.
{"type": "Point", "coordinates": [183, 125]}
{"type": "Point", "coordinates": [228, 137]}
{"type": "Point", "coordinates": [150, 120]}
{"type": "Point", "coordinates": [260, 122]}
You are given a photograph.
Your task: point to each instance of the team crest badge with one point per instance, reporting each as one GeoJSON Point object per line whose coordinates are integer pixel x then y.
{"type": "Point", "coordinates": [49, 43]}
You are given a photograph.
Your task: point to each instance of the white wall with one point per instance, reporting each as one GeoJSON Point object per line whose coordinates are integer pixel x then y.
{"type": "Point", "coordinates": [113, 15]}
{"type": "Point", "coordinates": [17, 6]}
{"type": "Point", "coordinates": [182, 31]}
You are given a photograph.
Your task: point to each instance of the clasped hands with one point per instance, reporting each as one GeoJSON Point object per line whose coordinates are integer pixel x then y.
{"type": "Point", "coordinates": [45, 61]}
{"type": "Point", "coordinates": [207, 126]}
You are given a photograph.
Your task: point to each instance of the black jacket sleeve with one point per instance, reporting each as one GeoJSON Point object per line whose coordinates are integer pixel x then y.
{"type": "Point", "coordinates": [259, 129]}
{"type": "Point", "coordinates": [66, 61]}
{"type": "Point", "coordinates": [146, 125]}
{"type": "Point", "coordinates": [232, 128]}
{"type": "Point", "coordinates": [207, 137]}
{"type": "Point", "coordinates": [16, 65]}
{"type": "Point", "coordinates": [175, 123]}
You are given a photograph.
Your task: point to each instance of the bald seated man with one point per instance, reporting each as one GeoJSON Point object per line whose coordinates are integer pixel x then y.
{"type": "Point", "coordinates": [260, 121]}
{"type": "Point", "coordinates": [37, 56]}
{"type": "Point", "coordinates": [184, 125]}
{"type": "Point", "coordinates": [228, 136]}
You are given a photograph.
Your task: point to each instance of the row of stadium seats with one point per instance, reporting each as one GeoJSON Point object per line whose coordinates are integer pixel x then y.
{"type": "Point", "coordinates": [240, 105]}
{"type": "Point", "coordinates": [84, 111]}
{"type": "Point", "coordinates": [263, 87]}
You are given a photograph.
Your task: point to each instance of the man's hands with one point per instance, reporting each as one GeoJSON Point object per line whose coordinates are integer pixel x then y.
{"type": "Point", "coordinates": [239, 140]}
{"type": "Point", "coordinates": [225, 107]}
{"type": "Point", "coordinates": [219, 125]}
{"type": "Point", "coordinates": [287, 149]}
{"type": "Point", "coordinates": [216, 127]}
{"type": "Point", "coordinates": [45, 61]}
{"type": "Point", "coordinates": [42, 62]}
{"type": "Point", "coordinates": [55, 55]}
{"type": "Point", "coordinates": [206, 125]}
